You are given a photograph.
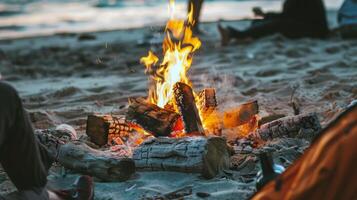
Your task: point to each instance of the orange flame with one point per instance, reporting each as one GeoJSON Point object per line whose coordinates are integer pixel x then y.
{"type": "Point", "coordinates": [178, 46]}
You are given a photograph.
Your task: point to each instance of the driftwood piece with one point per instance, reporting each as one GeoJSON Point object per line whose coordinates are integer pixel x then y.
{"type": "Point", "coordinates": [207, 156]}
{"type": "Point", "coordinates": [270, 118]}
{"type": "Point", "coordinates": [79, 157]}
{"type": "Point", "coordinates": [304, 125]}
{"type": "Point", "coordinates": [103, 129]}
{"type": "Point", "coordinates": [240, 115]}
{"type": "Point", "coordinates": [155, 120]}
{"type": "Point", "coordinates": [104, 165]}
{"type": "Point", "coordinates": [186, 103]}
{"type": "Point", "coordinates": [177, 194]}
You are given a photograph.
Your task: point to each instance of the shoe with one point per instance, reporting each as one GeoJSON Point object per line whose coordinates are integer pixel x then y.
{"type": "Point", "coordinates": [83, 190]}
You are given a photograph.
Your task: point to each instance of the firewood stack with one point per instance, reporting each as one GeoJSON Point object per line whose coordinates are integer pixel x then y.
{"type": "Point", "coordinates": [181, 141]}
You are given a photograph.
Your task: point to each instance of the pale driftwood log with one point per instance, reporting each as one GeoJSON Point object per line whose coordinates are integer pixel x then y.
{"type": "Point", "coordinates": [270, 118]}
{"type": "Point", "coordinates": [207, 156]}
{"type": "Point", "coordinates": [152, 118]}
{"type": "Point", "coordinates": [104, 165]}
{"type": "Point", "coordinates": [304, 125]}
{"type": "Point", "coordinates": [186, 103]}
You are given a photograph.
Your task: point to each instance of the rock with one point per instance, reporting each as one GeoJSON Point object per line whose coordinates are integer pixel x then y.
{"type": "Point", "coordinates": [203, 194]}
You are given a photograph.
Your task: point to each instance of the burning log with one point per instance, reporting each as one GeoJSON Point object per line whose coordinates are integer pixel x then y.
{"type": "Point", "coordinates": [208, 102]}
{"type": "Point", "coordinates": [157, 121]}
{"type": "Point", "coordinates": [103, 129]}
{"type": "Point", "coordinates": [209, 112]}
{"type": "Point", "coordinates": [104, 165]}
{"type": "Point", "coordinates": [240, 115]}
{"type": "Point", "coordinates": [304, 125]}
{"type": "Point", "coordinates": [186, 103]}
{"type": "Point", "coordinates": [207, 156]}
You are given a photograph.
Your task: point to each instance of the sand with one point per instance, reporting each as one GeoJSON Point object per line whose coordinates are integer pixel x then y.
{"type": "Point", "coordinates": [62, 79]}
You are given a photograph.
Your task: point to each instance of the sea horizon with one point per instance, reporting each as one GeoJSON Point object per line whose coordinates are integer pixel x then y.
{"type": "Point", "coordinates": [27, 18]}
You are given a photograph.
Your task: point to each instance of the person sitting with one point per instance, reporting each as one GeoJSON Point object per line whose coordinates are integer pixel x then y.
{"type": "Point", "coordinates": [347, 19]}
{"type": "Point", "coordinates": [197, 7]}
{"type": "Point", "coordinates": [25, 160]}
{"type": "Point", "coordinates": [299, 18]}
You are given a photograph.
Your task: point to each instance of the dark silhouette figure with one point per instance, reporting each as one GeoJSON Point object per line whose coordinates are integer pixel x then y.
{"type": "Point", "coordinates": [24, 158]}
{"type": "Point", "coordinates": [299, 18]}
{"type": "Point", "coordinates": [347, 19]}
{"type": "Point", "coordinates": [197, 6]}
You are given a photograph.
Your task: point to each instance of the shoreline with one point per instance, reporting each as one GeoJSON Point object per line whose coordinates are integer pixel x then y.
{"type": "Point", "coordinates": [37, 21]}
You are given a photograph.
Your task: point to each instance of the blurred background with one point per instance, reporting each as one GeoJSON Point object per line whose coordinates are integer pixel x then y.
{"type": "Point", "coordinates": [23, 18]}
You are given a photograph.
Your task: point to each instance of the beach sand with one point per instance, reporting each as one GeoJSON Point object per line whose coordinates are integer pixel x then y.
{"type": "Point", "coordinates": [65, 77]}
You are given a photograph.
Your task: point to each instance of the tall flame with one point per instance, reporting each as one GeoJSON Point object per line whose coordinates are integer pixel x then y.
{"type": "Point", "coordinates": [178, 46]}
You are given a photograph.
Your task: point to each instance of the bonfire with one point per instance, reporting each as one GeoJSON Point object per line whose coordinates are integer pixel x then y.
{"type": "Point", "coordinates": [177, 127]}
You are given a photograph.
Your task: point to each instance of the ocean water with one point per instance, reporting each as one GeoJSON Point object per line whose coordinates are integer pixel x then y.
{"type": "Point", "coordinates": [24, 18]}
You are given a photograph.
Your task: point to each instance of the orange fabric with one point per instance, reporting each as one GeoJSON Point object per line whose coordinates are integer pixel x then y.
{"type": "Point", "coordinates": [327, 170]}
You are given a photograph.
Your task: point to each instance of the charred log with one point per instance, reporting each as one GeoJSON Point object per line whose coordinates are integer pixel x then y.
{"type": "Point", "coordinates": [208, 102]}
{"type": "Point", "coordinates": [240, 115]}
{"type": "Point", "coordinates": [304, 125]}
{"type": "Point", "coordinates": [185, 101]}
{"type": "Point", "coordinates": [207, 156]}
{"type": "Point", "coordinates": [103, 129]}
{"type": "Point", "coordinates": [155, 120]}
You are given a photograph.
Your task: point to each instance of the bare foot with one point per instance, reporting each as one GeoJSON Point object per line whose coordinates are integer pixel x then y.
{"type": "Point", "coordinates": [225, 37]}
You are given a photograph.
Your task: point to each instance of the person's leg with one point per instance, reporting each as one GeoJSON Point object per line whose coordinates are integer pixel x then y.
{"type": "Point", "coordinates": [289, 28]}
{"type": "Point", "coordinates": [256, 30]}
{"type": "Point", "coordinates": [261, 29]}
{"type": "Point", "coordinates": [35, 193]}
{"type": "Point", "coordinates": [19, 152]}
{"type": "Point", "coordinates": [25, 159]}
{"type": "Point", "coordinates": [197, 5]}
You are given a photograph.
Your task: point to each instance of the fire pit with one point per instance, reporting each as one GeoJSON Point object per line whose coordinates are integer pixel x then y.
{"type": "Point", "coordinates": [175, 128]}
{"type": "Point", "coordinates": [191, 121]}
